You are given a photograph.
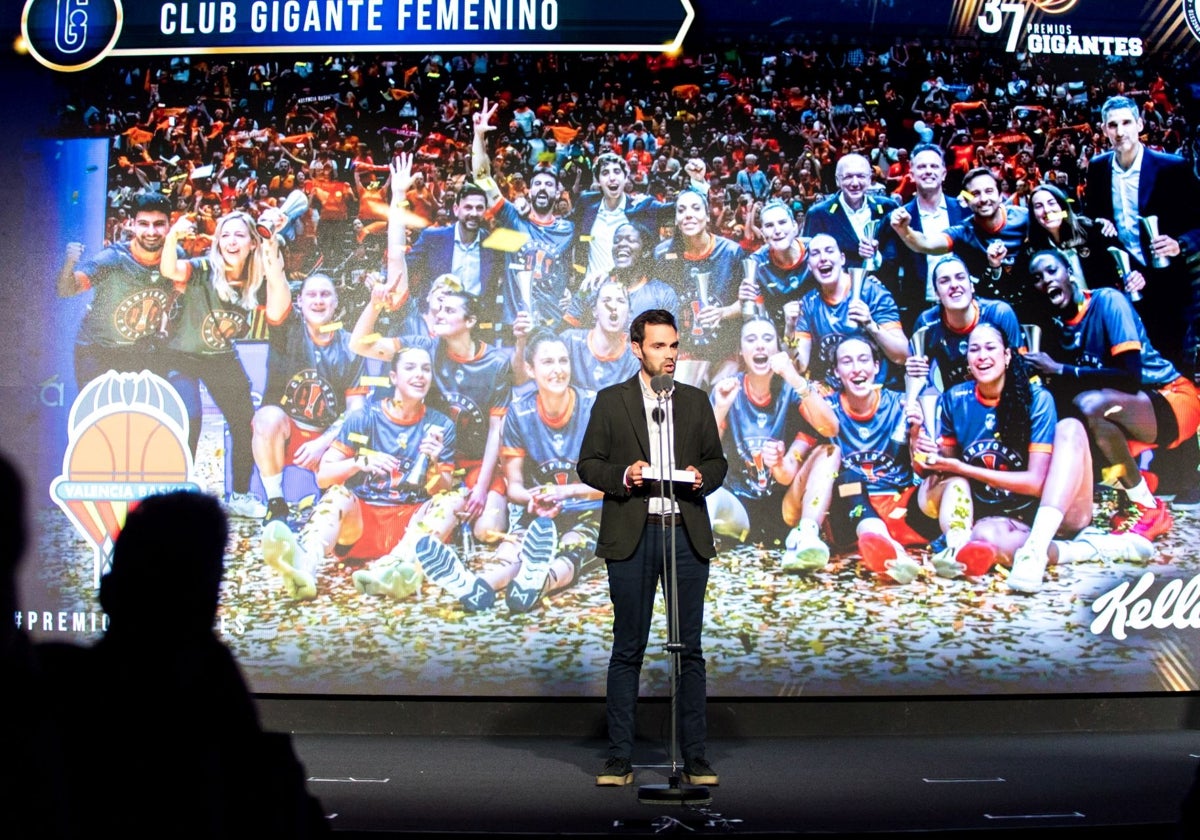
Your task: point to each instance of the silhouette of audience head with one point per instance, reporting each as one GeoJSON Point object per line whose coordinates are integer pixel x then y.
{"type": "Point", "coordinates": [12, 513]}
{"type": "Point", "coordinates": [167, 564]}
{"type": "Point", "coordinates": [14, 528]}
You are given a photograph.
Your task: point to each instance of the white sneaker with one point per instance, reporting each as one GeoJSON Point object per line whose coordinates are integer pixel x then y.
{"type": "Point", "coordinates": [804, 551]}
{"type": "Point", "coordinates": [245, 504]}
{"type": "Point", "coordinates": [1028, 569]}
{"type": "Point", "coordinates": [1116, 548]}
{"type": "Point", "coordinates": [945, 562]}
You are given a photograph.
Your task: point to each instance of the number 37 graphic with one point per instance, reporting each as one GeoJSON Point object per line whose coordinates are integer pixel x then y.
{"type": "Point", "coordinates": [992, 20]}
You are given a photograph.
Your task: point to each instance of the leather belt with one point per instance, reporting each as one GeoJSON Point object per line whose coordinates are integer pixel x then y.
{"type": "Point", "coordinates": [664, 520]}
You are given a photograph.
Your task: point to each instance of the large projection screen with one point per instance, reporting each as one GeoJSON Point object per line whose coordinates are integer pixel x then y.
{"type": "Point", "coordinates": [242, 105]}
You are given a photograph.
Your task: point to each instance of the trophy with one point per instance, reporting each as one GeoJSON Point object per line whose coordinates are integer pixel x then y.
{"type": "Point", "coordinates": [525, 286]}
{"type": "Point", "coordinates": [416, 476]}
{"type": "Point", "coordinates": [293, 207]}
{"type": "Point", "coordinates": [871, 232]}
{"type": "Point", "coordinates": [700, 281]}
{"type": "Point", "coordinates": [1033, 337]}
{"type": "Point", "coordinates": [1150, 226]}
{"type": "Point", "coordinates": [914, 384]}
{"type": "Point", "coordinates": [929, 407]}
{"type": "Point", "coordinates": [857, 275]}
{"type": "Point", "coordinates": [1123, 268]}
{"type": "Point", "coordinates": [750, 305]}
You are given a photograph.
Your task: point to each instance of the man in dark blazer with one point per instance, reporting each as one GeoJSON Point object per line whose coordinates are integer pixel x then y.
{"type": "Point", "coordinates": [455, 249]}
{"type": "Point", "coordinates": [905, 272]}
{"type": "Point", "coordinates": [637, 522]}
{"type": "Point", "coordinates": [846, 213]}
{"type": "Point", "coordinates": [599, 212]}
{"type": "Point", "coordinates": [1164, 186]}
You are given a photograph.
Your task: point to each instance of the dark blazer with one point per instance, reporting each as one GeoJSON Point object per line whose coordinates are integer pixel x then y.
{"type": "Point", "coordinates": [904, 271]}
{"type": "Point", "coordinates": [1167, 188]}
{"type": "Point", "coordinates": [431, 256]}
{"type": "Point", "coordinates": [617, 435]}
{"type": "Point", "coordinates": [829, 216]}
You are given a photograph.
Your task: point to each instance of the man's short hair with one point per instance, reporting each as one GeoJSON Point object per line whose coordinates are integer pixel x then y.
{"type": "Point", "coordinates": [606, 158]}
{"type": "Point", "coordinates": [928, 147]}
{"type": "Point", "coordinates": [544, 169]}
{"type": "Point", "coordinates": [150, 202]}
{"type": "Point", "coordinates": [637, 330]}
{"type": "Point", "coordinates": [468, 189]}
{"type": "Point", "coordinates": [977, 172]}
{"type": "Point", "coordinates": [1116, 103]}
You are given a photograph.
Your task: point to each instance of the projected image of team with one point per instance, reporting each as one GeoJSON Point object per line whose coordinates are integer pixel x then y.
{"type": "Point", "coordinates": [929, 356]}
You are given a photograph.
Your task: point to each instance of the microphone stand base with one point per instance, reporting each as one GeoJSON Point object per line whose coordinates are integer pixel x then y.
{"type": "Point", "coordinates": [674, 794]}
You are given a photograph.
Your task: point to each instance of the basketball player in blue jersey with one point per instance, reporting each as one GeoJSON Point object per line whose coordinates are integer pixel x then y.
{"type": "Point", "coordinates": [761, 412]}
{"type": "Point", "coordinates": [601, 356]}
{"type": "Point", "coordinates": [313, 379]}
{"type": "Point", "coordinates": [542, 432]}
{"type": "Point", "coordinates": [875, 501]}
{"type": "Point", "coordinates": [1105, 369]}
{"type": "Point", "coordinates": [706, 271]}
{"type": "Point", "coordinates": [538, 274]}
{"type": "Point", "coordinates": [385, 479]}
{"type": "Point", "coordinates": [948, 324]}
{"type": "Point", "coordinates": [130, 297]}
{"type": "Point", "coordinates": [473, 382]}
{"type": "Point", "coordinates": [781, 263]}
{"type": "Point", "coordinates": [1006, 476]}
{"type": "Point", "coordinates": [831, 312]}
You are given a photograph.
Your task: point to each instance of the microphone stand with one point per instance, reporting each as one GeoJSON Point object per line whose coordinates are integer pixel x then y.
{"type": "Point", "coordinates": [674, 792]}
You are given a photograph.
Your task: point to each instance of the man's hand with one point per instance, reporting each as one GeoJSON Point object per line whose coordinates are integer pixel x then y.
{"type": "Point", "coordinates": [633, 475]}
{"type": "Point", "coordinates": [698, 478]}
{"type": "Point", "coordinates": [401, 168]}
{"type": "Point", "coordinates": [481, 120]}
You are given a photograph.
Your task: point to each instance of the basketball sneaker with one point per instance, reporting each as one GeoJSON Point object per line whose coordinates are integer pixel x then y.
{"type": "Point", "coordinates": [537, 552]}
{"type": "Point", "coordinates": [804, 550]}
{"type": "Point", "coordinates": [879, 555]}
{"type": "Point", "coordinates": [944, 552]}
{"type": "Point", "coordinates": [245, 504]}
{"type": "Point", "coordinates": [283, 553]}
{"type": "Point", "coordinates": [1094, 544]}
{"type": "Point", "coordinates": [398, 579]}
{"type": "Point", "coordinates": [443, 567]}
{"type": "Point", "coordinates": [1028, 569]}
{"type": "Point", "coordinates": [1148, 522]}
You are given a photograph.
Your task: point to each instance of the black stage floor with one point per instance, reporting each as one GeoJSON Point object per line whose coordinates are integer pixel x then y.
{"type": "Point", "coordinates": [1077, 784]}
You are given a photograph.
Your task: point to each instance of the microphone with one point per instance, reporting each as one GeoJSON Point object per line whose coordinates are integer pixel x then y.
{"type": "Point", "coordinates": [662, 384]}
{"type": "Point", "coordinates": [658, 415]}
